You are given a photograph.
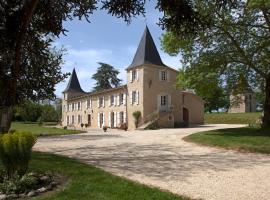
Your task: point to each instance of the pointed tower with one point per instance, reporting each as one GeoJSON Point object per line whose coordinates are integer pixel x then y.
{"type": "Point", "coordinates": [73, 88]}
{"type": "Point", "coordinates": [147, 52]}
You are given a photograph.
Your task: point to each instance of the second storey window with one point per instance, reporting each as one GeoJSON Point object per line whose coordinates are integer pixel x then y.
{"type": "Point", "coordinates": [163, 75]}
{"type": "Point", "coordinates": [112, 100]}
{"type": "Point", "coordinates": [73, 106]}
{"type": "Point", "coordinates": [89, 103]}
{"type": "Point", "coordinates": [79, 105]}
{"type": "Point", "coordinates": [101, 102]}
{"type": "Point", "coordinates": [121, 99]}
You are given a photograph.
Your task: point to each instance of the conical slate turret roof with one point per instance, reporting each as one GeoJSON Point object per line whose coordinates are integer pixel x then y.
{"type": "Point", "coordinates": [147, 52]}
{"type": "Point", "coordinates": [73, 84]}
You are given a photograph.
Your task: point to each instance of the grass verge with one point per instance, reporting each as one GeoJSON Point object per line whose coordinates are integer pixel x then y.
{"type": "Point", "coordinates": [243, 139]}
{"type": "Point", "coordinates": [87, 182]}
{"type": "Point", "coordinates": [41, 130]}
{"type": "Point", "coordinates": [231, 118]}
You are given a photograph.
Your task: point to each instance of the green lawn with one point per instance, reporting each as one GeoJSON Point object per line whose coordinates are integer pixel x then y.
{"type": "Point", "coordinates": [243, 139]}
{"type": "Point", "coordinates": [231, 118]}
{"type": "Point", "coordinates": [87, 182]}
{"type": "Point", "coordinates": [41, 130]}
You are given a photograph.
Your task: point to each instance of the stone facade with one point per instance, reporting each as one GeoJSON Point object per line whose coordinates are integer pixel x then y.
{"type": "Point", "coordinates": [242, 103]}
{"type": "Point", "coordinates": [150, 89]}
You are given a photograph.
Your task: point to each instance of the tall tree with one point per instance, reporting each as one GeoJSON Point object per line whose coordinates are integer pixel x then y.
{"type": "Point", "coordinates": [229, 42]}
{"type": "Point", "coordinates": [106, 77]}
{"type": "Point", "coordinates": [30, 66]}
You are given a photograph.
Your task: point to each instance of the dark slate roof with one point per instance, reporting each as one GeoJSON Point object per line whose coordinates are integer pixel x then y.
{"type": "Point", "coordinates": [73, 83]}
{"type": "Point", "coordinates": [147, 52]}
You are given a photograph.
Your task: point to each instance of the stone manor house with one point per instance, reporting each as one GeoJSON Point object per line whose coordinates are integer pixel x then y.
{"type": "Point", "coordinates": [150, 89]}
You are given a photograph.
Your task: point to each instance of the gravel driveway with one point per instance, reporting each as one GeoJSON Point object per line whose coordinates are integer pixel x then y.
{"type": "Point", "coordinates": [162, 159]}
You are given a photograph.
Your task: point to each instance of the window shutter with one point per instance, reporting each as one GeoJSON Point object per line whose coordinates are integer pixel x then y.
{"type": "Point", "coordinates": [158, 101]}
{"type": "Point", "coordinates": [118, 117]}
{"type": "Point", "coordinates": [98, 102]}
{"type": "Point", "coordinates": [130, 76]}
{"type": "Point", "coordinates": [99, 120]}
{"type": "Point", "coordinates": [109, 122]}
{"type": "Point", "coordinates": [125, 117]}
{"type": "Point", "coordinates": [124, 98]}
{"type": "Point", "coordinates": [114, 121]}
{"type": "Point", "coordinates": [137, 99]}
{"type": "Point", "coordinates": [103, 117]}
{"type": "Point", "coordinates": [169, 100]}
{"type": "Point", "coordinates": [159, 75]}
{"type": "Point", "coordinates": [137, 74]}
{"type": "Point", "coordinates": [130, 97]}
{"type": "Point", "coordinates": [103, 102]}
{"type": "Point", "coordinates": [118, 99]}
{"type": "Point", "coordinates": [90, 103]}
{"type": "Point", "coordinates": [168, 75]}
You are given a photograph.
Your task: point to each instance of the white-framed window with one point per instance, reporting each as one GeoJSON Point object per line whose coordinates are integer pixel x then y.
{"type": "Point", "coordinates": [164, 100]}
{"type": "Point", "coordinates": [89, 103]}
{"type": "Point", "coordinates": [73, 106]}
{"type": "Point", "coordinates": [134, 75]}
{"type": "Point", "coordinates": [79, 105]}
{"type": "Point", "coordinates": [121, 98]}
{"type": "Point", "coordinates": [79, 119]}
{"type": "Point", "coordinates": [112, 100]}
{"type": "Point", "coordinates": [101, 102]}
{"type": "Point", "coordinates": [163, 75]}
{"type": "Point", "coordinates": [121, 117]}
{"type": "Point", "coordinates": [134, 95]}
{"type": "Point", "coordinates": [72, 119]}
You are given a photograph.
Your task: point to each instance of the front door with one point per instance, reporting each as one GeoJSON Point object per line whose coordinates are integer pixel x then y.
{"type": "Point", "coordinates": [89, 120]}
{"type": "Point", "coordinates": [185, 116]}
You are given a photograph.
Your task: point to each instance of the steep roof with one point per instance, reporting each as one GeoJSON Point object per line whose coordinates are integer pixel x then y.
{"type": "Point", "coordinates": [73, 83]}
{"type": "Point", "coordinates": [147, 52]}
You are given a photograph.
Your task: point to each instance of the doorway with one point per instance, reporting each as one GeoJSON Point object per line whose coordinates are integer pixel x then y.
{"type": "Point", "coordinates": [185, 116]}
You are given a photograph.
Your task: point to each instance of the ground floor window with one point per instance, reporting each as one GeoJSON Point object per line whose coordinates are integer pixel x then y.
{"type": "Point", "coordinates": [121, 117]}
{"type": "Point", "coordinates": [164, 100]}
{"type": "Point", "coordinates": [72, 119]}
{"type": "Point", "coordinates": [79, 119]}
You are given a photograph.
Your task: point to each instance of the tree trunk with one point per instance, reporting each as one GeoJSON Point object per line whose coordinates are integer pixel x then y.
{"type": "Point", "coordinates": [266, 109]}
{"type": "Point", "coordinates": [5, 119]}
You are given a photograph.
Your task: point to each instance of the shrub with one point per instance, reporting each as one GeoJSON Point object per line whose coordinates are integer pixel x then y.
{"type": "Point", "coordinates": [82, 125]}
{"type": "Point", "coordinates": [15, 152]}
{"type": "Point", "coordinates": [152, 126]}
{"type": "Point", "coordinates": [65, 127]}
{"type": "Point", "coordinates": [137, 115]}
{"type": "Point", "coordinates": [123, 126]}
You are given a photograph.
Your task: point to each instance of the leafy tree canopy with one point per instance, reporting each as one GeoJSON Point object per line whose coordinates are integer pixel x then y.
{"type": "Point", "coordinates": [229, 42]}
{"type": "Point", "coordinates": [106, 77]}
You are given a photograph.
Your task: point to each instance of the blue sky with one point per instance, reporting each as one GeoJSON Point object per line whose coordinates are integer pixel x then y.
{"type": "Point", "coordinates": [107, 39]}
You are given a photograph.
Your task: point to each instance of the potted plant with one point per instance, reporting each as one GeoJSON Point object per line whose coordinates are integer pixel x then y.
{"type": "Point", "coordinates": [105, 128]}
{"type": "Point", "coordinates": [137, 115]}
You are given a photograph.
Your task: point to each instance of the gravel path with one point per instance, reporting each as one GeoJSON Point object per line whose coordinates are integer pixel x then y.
{"type": "Point", "coordinates": [162, 159]}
